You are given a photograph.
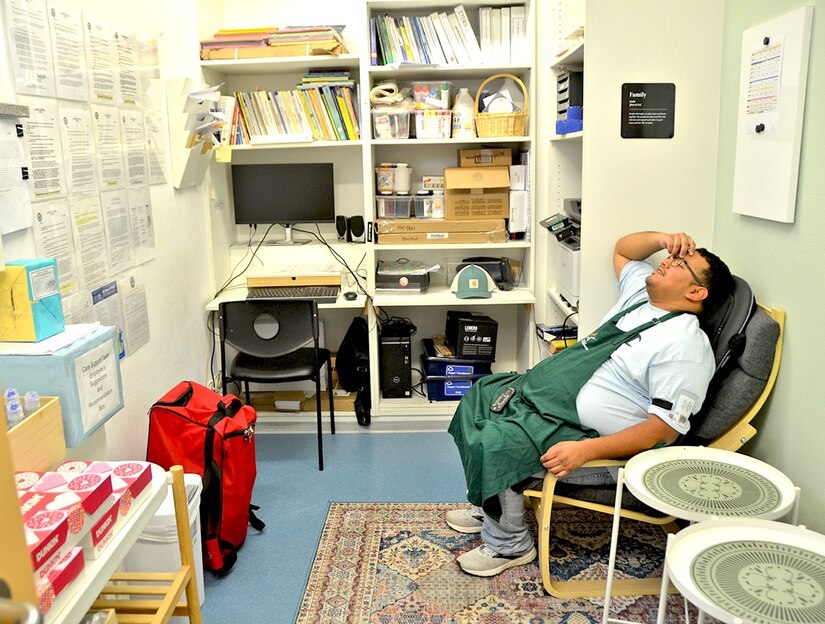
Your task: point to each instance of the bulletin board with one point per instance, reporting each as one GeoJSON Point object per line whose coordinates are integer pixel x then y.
{"type": "Point", "coordinates": [773, 77]}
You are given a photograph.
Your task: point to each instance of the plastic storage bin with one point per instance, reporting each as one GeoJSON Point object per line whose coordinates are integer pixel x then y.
{"type": "Point", "coordinates": [391, 123]}
{"type": "Point", "coordinates": [433, 124]}
{"type": "Point", "coordinates": [449, 378]}
{"type": "Point", "coordinates": [432, 94]}
{"type": "Point", "coordinates": [429, 206]}
{"type": "Point", "coordinates": [393, 206]}
{"type": "Point", "coordinates": [156, 550]}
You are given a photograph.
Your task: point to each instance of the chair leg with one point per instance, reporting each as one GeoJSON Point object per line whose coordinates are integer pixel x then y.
{"type": "Point", "coordinates": [330, 393]}
{"type": "Point", "coordinates": [318, 422]}
{"type": "Point", "coordinates": [246, 393]}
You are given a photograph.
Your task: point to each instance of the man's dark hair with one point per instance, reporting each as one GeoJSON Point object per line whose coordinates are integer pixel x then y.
{"type": "Point", "coordinates": [717, 279]}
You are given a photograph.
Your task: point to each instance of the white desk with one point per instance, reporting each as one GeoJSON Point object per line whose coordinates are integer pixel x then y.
{"type": "Point", "coordinates": [696, 484]}
{"type": "Point", "coordinates": [71, 606]}
{"type": "Point", "coordinates": [238, 293]}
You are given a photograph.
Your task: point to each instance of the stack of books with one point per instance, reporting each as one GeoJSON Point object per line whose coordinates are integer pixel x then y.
{"type": "Point", "coordinates": [448, 37]}
{"type": "Point", "coordinates": [273, 42]}
{"type": "Point", "coordinates": [323, 107]}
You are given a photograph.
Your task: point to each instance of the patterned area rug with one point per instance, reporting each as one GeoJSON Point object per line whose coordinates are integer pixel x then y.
{"type": "Point", "coordinates": [394, 563]}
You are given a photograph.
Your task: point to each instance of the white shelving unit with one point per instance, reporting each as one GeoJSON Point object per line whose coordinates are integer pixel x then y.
{"type": "Point", "coordinates": [355, 162]}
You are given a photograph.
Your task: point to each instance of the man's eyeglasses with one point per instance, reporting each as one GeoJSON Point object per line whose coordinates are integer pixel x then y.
{"type": "Point", "coordinates": [677, 262]}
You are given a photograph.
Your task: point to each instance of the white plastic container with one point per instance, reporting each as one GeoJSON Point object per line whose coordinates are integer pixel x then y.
{"type": "Point", "coordinates": [464, 125]}
{"type": "Point", "coordinates": [156, 550]}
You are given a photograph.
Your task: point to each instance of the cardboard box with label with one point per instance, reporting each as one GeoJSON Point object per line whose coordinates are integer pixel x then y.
{"type": "Point", "coordinates": [485, 157]}
{"type": "Point", "coordinates": [84, 374]}
{"type": "Point", "coordinates": [30, 305]}
{"type": "Point", "coordinates": [477, 192]}
{"type": "Point", "coordinates": [391, 231]}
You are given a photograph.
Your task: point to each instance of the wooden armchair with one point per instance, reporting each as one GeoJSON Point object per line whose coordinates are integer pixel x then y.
{"type": "Point", "coordinates": [726, 427]}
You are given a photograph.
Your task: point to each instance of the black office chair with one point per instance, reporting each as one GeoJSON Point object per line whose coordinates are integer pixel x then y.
{"type": "Point", "coordinates": [272, 339]}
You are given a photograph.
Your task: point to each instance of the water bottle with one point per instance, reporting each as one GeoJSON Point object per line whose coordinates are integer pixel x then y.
{"type": "Point", "coordinates": [10, 394]}
{"type": "Point", "coordinates": [463, 122]}
{"type": "Point", "coordinates": [14, 412]}
{"type": "Point", "coordinates": [31, 402]}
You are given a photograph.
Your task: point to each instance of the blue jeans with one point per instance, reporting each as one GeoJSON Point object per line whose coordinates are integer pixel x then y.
{"type": "Point", "coordinates": [509, 535]}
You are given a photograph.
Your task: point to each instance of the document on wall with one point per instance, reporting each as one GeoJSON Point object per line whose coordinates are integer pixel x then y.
{"type": "Point", "coordinates": [101, 59]}
{"type": "Point", "coordinates": [107, 309]}
{"type": "Point", "coordinates": [77, 308]}
{"type": "Point", "coordinates": [148, 59]}
{"type": "Point", "coordinates": [134, 146]}
{"type": "Point", "coordinates": [115, 207]}
{"type": "Point", "coordinates": [128, 82]}
{"type": "Point", "coordinates": [27, 29]}
{"type": "Point", "coordinates": [53, 239]}
{"type": "Point", "coordinates": [154, 128]}
{"type": "Point", "coordinates": [41, 136]}
{"type": "Point", "coordinates": [15, 202]}
{"type": "Point", "coordinates": [135, 311]}
{"type": "Point", "coordinates": [143, 225]}
{"type": "Point", "coordinates": [106, 129]}
{"type": "Point", "coordinates": [78, 150]}
{"type": "Point", "coordinates": [66, 26]}
{"type": "Point", "coordinates": [89, 240]}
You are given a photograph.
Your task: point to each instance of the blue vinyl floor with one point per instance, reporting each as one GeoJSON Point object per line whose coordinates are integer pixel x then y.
{"type": "Point", "coordinates": [267, 583]}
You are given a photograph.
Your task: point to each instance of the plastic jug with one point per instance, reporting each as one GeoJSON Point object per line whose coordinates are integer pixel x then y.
{"type": "Point", "coordinates": [464, 126]}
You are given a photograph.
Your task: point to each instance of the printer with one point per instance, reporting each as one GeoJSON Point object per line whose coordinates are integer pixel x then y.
{"type": "Point", "coordinates": [568, 251]}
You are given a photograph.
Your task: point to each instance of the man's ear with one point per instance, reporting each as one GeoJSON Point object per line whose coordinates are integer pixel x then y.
{"type": "Point", "coordinates": [696, 293]}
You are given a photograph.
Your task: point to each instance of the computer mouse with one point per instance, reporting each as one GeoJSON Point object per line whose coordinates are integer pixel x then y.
{"type": "Point", "coordinates": [350, 296]}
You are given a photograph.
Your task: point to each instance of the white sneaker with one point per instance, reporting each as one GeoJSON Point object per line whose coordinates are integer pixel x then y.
{"type": "Point", "coordinates": [484, 561]}
{"type": "Point", "coordinates": [464, 520]}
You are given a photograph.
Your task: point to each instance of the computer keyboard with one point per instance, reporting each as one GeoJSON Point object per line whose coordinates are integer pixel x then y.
{"type": "Point", "coordinates": [321, 294]}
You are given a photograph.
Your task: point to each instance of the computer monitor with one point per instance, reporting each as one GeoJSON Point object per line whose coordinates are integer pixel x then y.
{"type": "Point", "coordinates": [284, 194]}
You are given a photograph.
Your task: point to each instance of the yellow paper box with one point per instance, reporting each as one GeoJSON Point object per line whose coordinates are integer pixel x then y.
{"type": "Point", "coordinates": [30, 304]}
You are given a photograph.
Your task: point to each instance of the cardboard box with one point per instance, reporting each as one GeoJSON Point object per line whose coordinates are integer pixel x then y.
{"type": "Point", "coordinates": [315, 48]}
{"type": "Point", "coordinates": [85, 375]}
{"type": "Point", "coordinates": [477, 193]}
{"type": "Point", "coordinates": [342, 401]}
{"type": "Point", "coordinates": [416, 226]}
{"type": "Point", "coordinates": [30, 305]}
{"type": "Point", "coordinates": [129, 478]}
{"type": "Point", "coordinates": [485, 157]}
{"type": "Point", "coordinates": [60, 578]}
{"type": "Point", "coordinates": [444, 238]}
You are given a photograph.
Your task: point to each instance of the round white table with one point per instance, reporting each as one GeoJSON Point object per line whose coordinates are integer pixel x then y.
{"type": "Point", "coordinates": [748, 570]}
{"type": "Point", "coordinates": [696, 483]}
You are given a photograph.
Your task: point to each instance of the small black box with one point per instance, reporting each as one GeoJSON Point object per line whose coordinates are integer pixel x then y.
{"type": "Point", "coordinates": [471, 335]}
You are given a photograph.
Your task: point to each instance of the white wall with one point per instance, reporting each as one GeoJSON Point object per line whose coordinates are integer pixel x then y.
{"type": "Point", "coordinates": [177, 279]}
{"type": "Point", "coordinates": [783, 262]}
{"type": "Point", "coordinates": [646, 184]}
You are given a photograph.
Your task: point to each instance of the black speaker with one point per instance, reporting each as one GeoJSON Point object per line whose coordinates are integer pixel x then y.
{"type": "Point", "coordinates": [341, 227]}
{"type": "Point", "coordinates": [356, 229]}
{"type": "Point", "coordinates": [396, 366]}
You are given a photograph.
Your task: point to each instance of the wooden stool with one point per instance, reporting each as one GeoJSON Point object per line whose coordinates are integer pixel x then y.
{"type": "Point", "coordinates": [128, 592]}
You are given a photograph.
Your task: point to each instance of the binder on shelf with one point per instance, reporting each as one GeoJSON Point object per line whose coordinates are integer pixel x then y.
{"type": "Point", "coordinates": [453, 30]}
{"type": "Point", "coordinates": [470, 40]}
{"type": "Point", "coordinates": [446, 47]}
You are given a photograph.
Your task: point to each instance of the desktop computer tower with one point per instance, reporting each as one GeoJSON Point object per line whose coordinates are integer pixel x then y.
{"type": "Point", "coordinates": [395, 356]}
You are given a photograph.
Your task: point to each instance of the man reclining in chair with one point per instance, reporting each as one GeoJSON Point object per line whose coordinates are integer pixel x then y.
{"type": "Point", "coordinates": [629, 386]}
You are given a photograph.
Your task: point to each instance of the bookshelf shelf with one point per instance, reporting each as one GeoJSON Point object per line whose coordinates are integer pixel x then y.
{"type": "Point", "coordinates": [467, 246]}
{"type": "Point", "coordinates": [242, 67]}
{"type": "Point", "coordinates": [298, 145]}
{"type": "Point", "coordinates": [454, 142]}
{"type": "Point", "coordinates": [570, 58]}
{"type": "Point", "coordinates": [411, 71]}
{"type": "Point", "coordinates": [570, 136]}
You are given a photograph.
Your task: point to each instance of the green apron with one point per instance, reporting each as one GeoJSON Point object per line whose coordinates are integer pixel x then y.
{"type": "Point", "coordinates": [499, 450]}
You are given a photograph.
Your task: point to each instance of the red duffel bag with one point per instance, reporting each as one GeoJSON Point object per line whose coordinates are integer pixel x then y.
{"type": "Point", "coordinates": [212, 436]}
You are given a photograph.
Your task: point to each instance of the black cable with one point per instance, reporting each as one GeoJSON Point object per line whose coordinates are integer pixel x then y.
{"type": "Point", "coordinates": [564, 327]}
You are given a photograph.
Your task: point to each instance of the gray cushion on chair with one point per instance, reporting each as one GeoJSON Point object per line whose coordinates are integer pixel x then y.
{"type": "Point", "coordinates": [743, 385]}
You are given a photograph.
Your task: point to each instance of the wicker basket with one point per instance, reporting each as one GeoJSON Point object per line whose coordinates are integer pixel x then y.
{"type": "Point", "coordinates": [501, 124]}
